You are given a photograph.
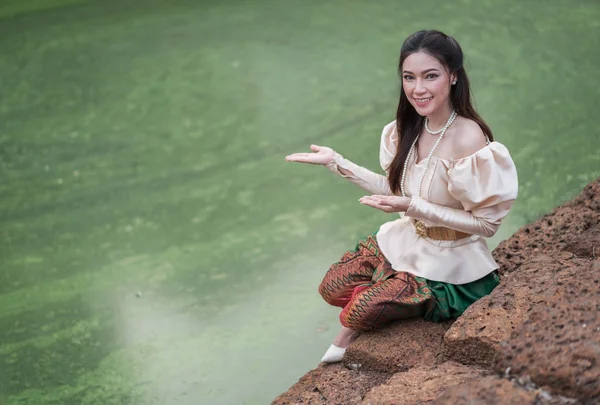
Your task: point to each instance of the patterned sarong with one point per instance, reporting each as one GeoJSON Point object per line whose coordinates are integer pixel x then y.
{"type": "Point", "coordinates": [372, 294]}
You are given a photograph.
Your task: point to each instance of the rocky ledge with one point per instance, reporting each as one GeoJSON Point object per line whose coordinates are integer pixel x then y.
{"type": "Point", "coordinates": [534, 340]}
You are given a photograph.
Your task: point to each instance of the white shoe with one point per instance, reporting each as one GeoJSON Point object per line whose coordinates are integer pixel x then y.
{"type": "Point", "coordinates": [334, 354]}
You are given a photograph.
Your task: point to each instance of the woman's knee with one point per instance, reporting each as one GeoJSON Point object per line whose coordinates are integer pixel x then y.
{"type": "Point", "coordinates": [331, 292]}
{"type": "Point", "coordinates": [362, 322]}
{"type": "Point", "coordinates": [323, 290]}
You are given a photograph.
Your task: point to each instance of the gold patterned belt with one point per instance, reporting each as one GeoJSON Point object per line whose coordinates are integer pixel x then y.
{"type": "Point", "coordinates": [437, 232]}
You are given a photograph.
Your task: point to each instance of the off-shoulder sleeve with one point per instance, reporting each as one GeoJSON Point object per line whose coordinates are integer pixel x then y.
{"type": "Point", "coordinates": [485, 183]}
{"type": "Point", "coordinates": [364, 178]}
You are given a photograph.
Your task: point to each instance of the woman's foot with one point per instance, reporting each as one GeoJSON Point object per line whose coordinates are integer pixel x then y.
{"type": "Point", "coordinates": [334, 354]}
{"type": "Point", "coordinates": [336, 351]}
{"type": "Point", "coordinates": [345, 337]}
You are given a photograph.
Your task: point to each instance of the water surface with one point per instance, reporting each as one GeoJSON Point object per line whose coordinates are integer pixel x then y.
{"type": "Point", "coordinates": [156, 249]}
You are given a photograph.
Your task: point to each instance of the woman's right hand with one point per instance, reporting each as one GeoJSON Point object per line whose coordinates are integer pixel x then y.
{"type": "Point", "coordinates": [321, 156]}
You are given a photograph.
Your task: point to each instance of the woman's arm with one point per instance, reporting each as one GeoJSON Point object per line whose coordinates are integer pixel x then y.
{"type": "Point", "coordinates": [476, 223]}
{"type": "Point", "coordinates": [335, 163]}
{"type": "Point", "coordinates": [366, 179]}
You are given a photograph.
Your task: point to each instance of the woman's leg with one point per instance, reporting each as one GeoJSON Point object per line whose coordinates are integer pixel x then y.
{"type": "Point", "coordinates": [354, 272]}
{"type": "Point", "coordinates": [398, 295]}
{"type": "Point", "coordinates": [345, 337]}
{"type": "Point", "coordinates": [395, 295]}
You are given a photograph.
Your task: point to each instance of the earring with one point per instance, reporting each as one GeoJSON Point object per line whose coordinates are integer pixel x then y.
{"type": "Point", "coordinates": [454, 82]}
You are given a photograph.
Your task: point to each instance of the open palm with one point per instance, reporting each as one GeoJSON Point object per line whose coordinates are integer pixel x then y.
{"type": "Point", "coordinates": [321, 155]}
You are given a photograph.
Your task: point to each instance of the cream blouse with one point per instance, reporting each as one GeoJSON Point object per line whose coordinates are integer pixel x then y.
{"type": "Point", "coordinates": [472, 195]}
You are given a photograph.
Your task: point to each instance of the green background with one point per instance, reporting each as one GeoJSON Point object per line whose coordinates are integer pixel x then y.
{"type": "Point", "coordinates": [156, 248]}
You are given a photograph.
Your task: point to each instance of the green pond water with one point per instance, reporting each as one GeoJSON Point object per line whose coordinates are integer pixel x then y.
{"type": "Point", "coordinates": [156, 248]}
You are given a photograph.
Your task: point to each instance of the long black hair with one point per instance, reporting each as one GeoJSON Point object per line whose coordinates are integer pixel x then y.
{"type": "Point", "coordinates": [408, 122]}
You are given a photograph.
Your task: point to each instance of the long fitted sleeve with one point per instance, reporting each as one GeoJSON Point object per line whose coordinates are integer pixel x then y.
{"type": "Point", "coordinates": [366, 179]}
{"type": "Point", "coordinates": [453, 218]}
{"type": "Point", "coordinates": [485, 183]}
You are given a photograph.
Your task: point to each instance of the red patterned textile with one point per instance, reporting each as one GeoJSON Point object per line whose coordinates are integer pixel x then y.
{"type": "Point", "coordinates": [370, 292]}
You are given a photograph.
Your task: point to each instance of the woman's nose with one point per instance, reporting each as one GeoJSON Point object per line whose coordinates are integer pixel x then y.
{"type": "Point", "coordinates": [419, 87]}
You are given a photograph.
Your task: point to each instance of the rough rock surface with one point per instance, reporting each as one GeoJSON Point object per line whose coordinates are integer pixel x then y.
{"type": "Point", "coordinates": [398, 347]}
{"type": "Point", "coordinates": [586, 244]}
{"type": "Point", "coordinates": [493, 390]}
{"type": "Point", "coordinates": [545, 253]}
{"type": "Point", "coordinates": [331, 385]}
{"type": "Point", "coordinates": [551, 233]}
{"type": "Point", "coordinates": [476, 336]}
{"type": "Point", "coordinates": [589, 197]}
{"type": "Point", "coordinates": [558, 347]}
{"type": "Point", "coordinates": [421, 384]}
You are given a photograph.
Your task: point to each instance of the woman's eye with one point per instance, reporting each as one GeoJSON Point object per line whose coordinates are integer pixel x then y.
{"type": "Point", "coordinates": [407, 77]}
{"type": "Point", "coordinates": [432, 76]}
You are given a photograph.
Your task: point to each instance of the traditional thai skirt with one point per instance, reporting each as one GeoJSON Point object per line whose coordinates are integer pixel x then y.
{"type": "Point", "coordinates": [372, 294]}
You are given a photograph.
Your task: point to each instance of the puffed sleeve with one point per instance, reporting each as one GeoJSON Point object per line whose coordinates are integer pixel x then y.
{"type": "Point", "coordinates": [485, 183]}
{"type": "Point", "coordinates": [364, 178]}
{"type": "Point", "coordinates": [389, 145]}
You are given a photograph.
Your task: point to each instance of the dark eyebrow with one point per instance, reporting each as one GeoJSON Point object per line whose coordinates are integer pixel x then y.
{"type": "Point", "coordinates": [423, 72]}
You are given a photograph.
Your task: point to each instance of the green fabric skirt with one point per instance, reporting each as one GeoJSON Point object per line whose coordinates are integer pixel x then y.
{"type": "Point", "coordinates": [451, 300]}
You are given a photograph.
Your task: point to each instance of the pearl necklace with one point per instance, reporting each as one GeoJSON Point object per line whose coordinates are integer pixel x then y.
{"type": "Point", "coordinates": [412, 150]}
{"type": "Point", "coordinates": [448, 123]}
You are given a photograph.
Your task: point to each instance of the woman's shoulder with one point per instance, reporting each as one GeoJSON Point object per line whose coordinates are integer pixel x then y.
{"type": "Point", "coordinates": [467, 138]}
{"type": "Point", "coordinates": [471, 148]}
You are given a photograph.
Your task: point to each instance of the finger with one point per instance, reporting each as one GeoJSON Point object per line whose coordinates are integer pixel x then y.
{"type": "Point", "coordinates": [377, 206]}
{"type": "Point", "coordinates": [316, 148]}
{"type": "Point", "coordinates": [387, 203]}
{"type": "Point", "coordinates": [387, 206]}
{"type": "Point", "coordinates": [385, 200]}
{"type": "Point", "coordinates": [381, 197]}
{"type": "Point", "coordinates": [372, 199]}
{"type": "Point", "coordinates": [299, 159]}
{"type": "Point", "coordinates": [365, 200]}
{"type": "Point", "coordinates": [295, 156]}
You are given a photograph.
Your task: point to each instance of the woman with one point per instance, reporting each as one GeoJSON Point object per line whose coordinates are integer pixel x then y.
{"type": "Point", "coordinates": [452, 181]}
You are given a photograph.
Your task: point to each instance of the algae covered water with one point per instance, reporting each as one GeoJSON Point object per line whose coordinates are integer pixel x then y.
{"type": "Point", "coordinates": [156, 249]}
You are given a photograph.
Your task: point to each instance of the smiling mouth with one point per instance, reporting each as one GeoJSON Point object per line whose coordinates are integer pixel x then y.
{"type": "Point", "coordinates": [422, 100]}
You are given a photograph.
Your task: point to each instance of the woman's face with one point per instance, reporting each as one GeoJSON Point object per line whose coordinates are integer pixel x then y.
{"type": "Point", "coordinates": [426, 83]}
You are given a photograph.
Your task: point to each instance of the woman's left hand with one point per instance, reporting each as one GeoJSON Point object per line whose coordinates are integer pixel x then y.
{"type": "Point", "coordinates": [386, 203]}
